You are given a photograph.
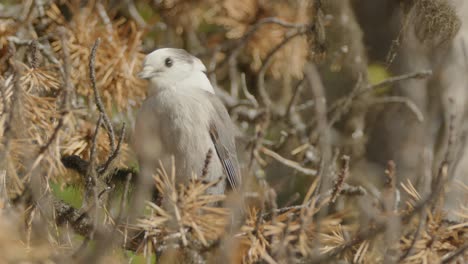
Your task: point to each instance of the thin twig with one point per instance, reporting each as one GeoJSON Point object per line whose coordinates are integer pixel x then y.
{"type": "Point", "coordinates": [14, 103]}
{"type": "Point", "coordinates": [246, 92]}
{"type": "Point", "coordinates": [346, 189]}
{"type": "Point", "coordinates": [449, 257]}
{"type": "Point", "coordinates": [417, 236]}
{"type": "Point", "coordinates": [123, 204]}
{"type": "Point", "coordinates": [115, 153]}
{"type": "Point", "coordinates": [437, 189]}
{"type": "Point", "coordinates": [105, 19]}
{"type": "Point", "coordinates": [403, 100]}
{"type": "Point", "coordinates": [343, 104]}
{"type": "Point", "coordinates": [54, 135]}
{"type": "Point", "coordinates": [240, 44]}
{"type": "Point", "coordinates": [316, 85]}
{"type": "Point", "coordinates": [46, 51]}
{"type": "Point", "coordinates": [292, 101]}
{"type": "Point", "coordinates": [318, 91]}
{"type": "Point", "coordinates": [66, 92]}
{"type": "Point", "coordinates": [390, 200]}
{"type": "Point", "coordinates": [67, 70]}
{"type": "Point", "coordinates": [97, 97]}
{"type": "Point", "coordinates": [135, 15]}
{"type": "Point", "coordinates": [367, 234]}
{"type": "Point", "coordinates": [414, 75]}
{"type": "Point", "coordinates": [265, 98]}
{"type": "Point", "coordinates": [91, 179]}
{"type": "Point", "coordinates": [34, 54]}
{"type": "Point", "coordinates": [233, 76]}
{"type": "Point", "coordinates": [342, 176]}
{"type": "Point", "coordinates": [287, 162]}
{"type": "Point", "coordinates": [206, 165]}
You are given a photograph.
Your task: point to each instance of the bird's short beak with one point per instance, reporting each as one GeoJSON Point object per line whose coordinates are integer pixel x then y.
{"type": "Point", "coordinates": [147, 72]}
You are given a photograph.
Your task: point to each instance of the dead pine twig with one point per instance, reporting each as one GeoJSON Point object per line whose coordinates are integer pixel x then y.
{"type": "Point", "coordinates": [48, 53]}
{"type": "Point", "coordinates": [97, 97]}
{"type": "Point", "coordinates": [34, 54]}
{"type": "Point", "coordinates": [367, 234]}
{"type": "Point", "coordinates": [116, 152]}
{"type": "Point", "coordinates": [91, 196]}
{"type": "Point", "coordinates": [13, 109]}
{"type": "Point", "coordinates": [342, 176]}
{"type": "Point", "coordinates": [208, 157]}
{"type": "Point", "coordinates": [91, 179]}
{"type": "Point", "coordinates": [381, 227]}
{"type": "Point", "coordinates": [51, 140]}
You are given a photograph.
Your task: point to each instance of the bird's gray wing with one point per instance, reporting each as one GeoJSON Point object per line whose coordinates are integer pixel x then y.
{"type": "Point", "coordinates": [222, 132]}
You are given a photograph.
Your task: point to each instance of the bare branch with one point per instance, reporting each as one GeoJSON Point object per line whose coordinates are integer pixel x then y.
{"type": "Point", "coordinates": [265, 98]}
{"type": "Point", "coordinates": [91, 179]}
{"type": "Point", "coordinates": [292, 101]}
{"type": "Point", "coordinates": [46, 51]}
{"type": "Point", "coordinates": [246, 92]}
{"type": "Point", "coordinates": [414, 75]}
{"type": "Point", "coordinates": [97, 97]}
{"type": "Point", "coordinates": [116, 152]}
{"type": "Point", "coordinates": [449, 257]}
{"type": "Point", "coordinates": [288, 163]}
{"type": "Point", "coordinates": [344, 173]}
{"type": "Point", "coordinates": [403, 100]}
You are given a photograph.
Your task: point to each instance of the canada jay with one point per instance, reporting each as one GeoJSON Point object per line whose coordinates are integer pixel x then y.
{"type": "Point", "coordinates": [183, 118]}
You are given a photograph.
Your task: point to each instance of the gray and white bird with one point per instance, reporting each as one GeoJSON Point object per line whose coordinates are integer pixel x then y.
{"type": "Point", "coordinates": [182, 117]}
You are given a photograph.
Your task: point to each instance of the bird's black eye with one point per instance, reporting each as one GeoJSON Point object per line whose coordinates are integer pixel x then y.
{"type": "Point", "coordinates": [168, 62]}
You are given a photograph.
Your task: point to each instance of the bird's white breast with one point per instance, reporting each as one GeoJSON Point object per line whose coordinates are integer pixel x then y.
{"type": "Point", "coordinates": [175, 122]}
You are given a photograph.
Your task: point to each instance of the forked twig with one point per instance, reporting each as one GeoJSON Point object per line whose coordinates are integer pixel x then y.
{"type": "Point", "coordinates": [116, 152]}
{"type": "Point", "coordinates": [97, 97]}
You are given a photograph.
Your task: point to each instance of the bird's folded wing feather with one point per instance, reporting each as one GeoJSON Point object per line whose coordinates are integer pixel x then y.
{"type": "Point", "coordinates": [225, 142]}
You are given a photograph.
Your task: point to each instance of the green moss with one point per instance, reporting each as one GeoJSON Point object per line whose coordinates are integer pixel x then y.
{"type": "Point", "coordinates": [377, 73]}
{"type": "Point", "coordinates": [145, 10]}
{"type": "Point", "coordinates": [139, 258]}
{"type": "Point", "coordinates": [68, 194]}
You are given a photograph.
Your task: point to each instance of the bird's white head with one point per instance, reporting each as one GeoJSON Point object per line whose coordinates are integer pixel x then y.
{"type": "Point", "coordinates": [171, 68]}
